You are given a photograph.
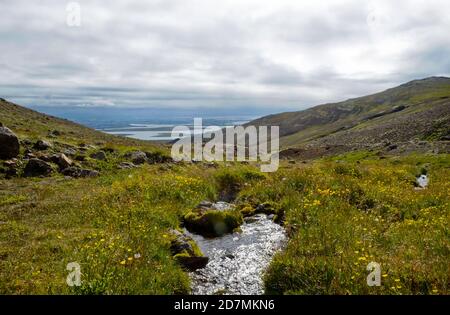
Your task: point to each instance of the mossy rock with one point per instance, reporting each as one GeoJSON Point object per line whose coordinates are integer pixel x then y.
{"type": "Point", "coordinates": [211, 222]}
{"type": "Point", "coordinates": [268, 208]}
{"type": "Point", "coordinates": [191, 263]}
{"type": "Point", "coordinates": [186, 251]}
{"type": "Point", "coordinates": [247, 210]}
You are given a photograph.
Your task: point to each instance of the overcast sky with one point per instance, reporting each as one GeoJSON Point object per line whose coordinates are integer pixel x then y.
{"type": "Point", "coordinates": [274, 54]}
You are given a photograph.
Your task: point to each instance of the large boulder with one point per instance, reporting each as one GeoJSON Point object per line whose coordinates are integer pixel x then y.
{"type": "Point", "coordinates": [9, 143]}
{"type": "Point", "coordinates": [37, 167]}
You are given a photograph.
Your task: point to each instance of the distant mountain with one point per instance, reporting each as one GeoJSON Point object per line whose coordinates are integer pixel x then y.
{"type": "Point", "coordinates": [418, 110]}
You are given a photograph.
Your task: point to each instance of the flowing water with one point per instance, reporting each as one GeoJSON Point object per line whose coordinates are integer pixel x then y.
{"type": "Point", "coordinates": [237, 261]}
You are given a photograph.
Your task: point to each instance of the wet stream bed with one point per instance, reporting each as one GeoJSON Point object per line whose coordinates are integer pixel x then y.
{"type": "Point", "coordinates": [237, 261]}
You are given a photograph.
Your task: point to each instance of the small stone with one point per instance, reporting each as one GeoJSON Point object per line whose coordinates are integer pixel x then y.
{"type": "Point", "coordinates": [29, 155]}
{"type": "Point", "coordinates": [54, 133]}
{"type": "Point", "coordinates": [99, 155]}
{"type": "Point", "coordinates": [42, 145]}
{"type": "Point", "coordinates": [78, 172]}
{"type": "Point", "coordinates": [137, 157]}
{"type": "Point", "coordinates": [126, 165]}
{"type": "Point", "coordinates": [70, 152]}
{"type": "Point", "coordinates": [205, 204]}
{"type": "Point", "coordinates": [422, 181]}
{"type": "Point", "coordinates": [392, 147]}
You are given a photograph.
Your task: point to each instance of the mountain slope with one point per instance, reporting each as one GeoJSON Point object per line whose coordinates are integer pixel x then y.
{"type": "Point", "coordinates": [32, 125]}
{"type": "Point", "coordinates": [419, 110]}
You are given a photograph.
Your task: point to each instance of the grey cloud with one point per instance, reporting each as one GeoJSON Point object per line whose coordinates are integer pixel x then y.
{"type": "Point", "coordinates": [217, 54]}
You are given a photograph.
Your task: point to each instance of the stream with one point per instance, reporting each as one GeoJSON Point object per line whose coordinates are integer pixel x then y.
{"type": "Point", "coordinates": [237, 261]}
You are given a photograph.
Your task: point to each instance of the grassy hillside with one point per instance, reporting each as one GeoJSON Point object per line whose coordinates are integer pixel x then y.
{"type": "Point", "coordinates": [32, 125]}
{"type": "Point", "coordinates": [340, 216]}
{"type": "Point", "coordinates": [416, 110]}
{"type": "Point", "coordinates": [340, 213]}
{"type": "Point", "coordinates": [78, 142]}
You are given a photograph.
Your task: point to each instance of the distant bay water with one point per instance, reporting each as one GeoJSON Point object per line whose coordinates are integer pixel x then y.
{"type": "Point", "coordinates": [148, 123]}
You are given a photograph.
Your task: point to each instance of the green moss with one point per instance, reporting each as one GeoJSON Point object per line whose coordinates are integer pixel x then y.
{"type": "Point", "coordinates": [247, 211]}
{"type": "Point", "coordinates": [212, 223]}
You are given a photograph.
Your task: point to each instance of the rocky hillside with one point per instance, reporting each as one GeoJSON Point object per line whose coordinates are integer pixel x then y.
{"type": "Point", "coordinates": [37, 145]}
{"type": "Point", "coordinates": [411, 117]}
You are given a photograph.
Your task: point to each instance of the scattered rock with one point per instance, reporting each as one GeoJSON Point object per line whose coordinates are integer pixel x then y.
{"type": "Point", "coordinates": [273, 210]}
{"type": "Point", "coordinates": [109, 149]}
{"type": "Point", "coordinates": [45, 157]}
{"type": "Point", "coordinates": [62, 161]}
{"type": "Point", "coordinates": [192, 263]}
{"type": "Point", "coordinates": [229, 254]}
{"type": "Point", "coordinates": [42, 145]}
{"type": "Point", "coordinates": [79, 172]}
{"type": "Point", "coordinates": [9, 144]}
{"type": "Point", "coordinates": [137, 157]}
{"type": "Point", "coordinates": [392, 147]}
{"type": "Point", "coordinates": [26, 142]}
{"type": "Point", "coordinates": [205, 204]}
{"type": "Point", "coordinates": [70, 152]}
{"type": "Point", "coordinates": [422, 181]}
{"type": "Point", "coordinates": [99, 155]}
{"type": "Point", "coordinates": [11, 163]}
{"type": "Point", "coordinates": [89, 173]}
{"type": "Point", "coordinates": [157, 157]}
{"type": "Point", "coordinates": [126, 165]}
{"type": "Point", "coordinates": [29, 155]}
{"type": "Point", "coordinates": [80, 158]}
{"type": "Point", "coordinates": [54, 133]}
{"type": "Point", "coordinates": [10, 167]}
{"type": "Point", "coordinates": [251, 219]}
{"type": "Point", "coordinates": [37, 167]}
